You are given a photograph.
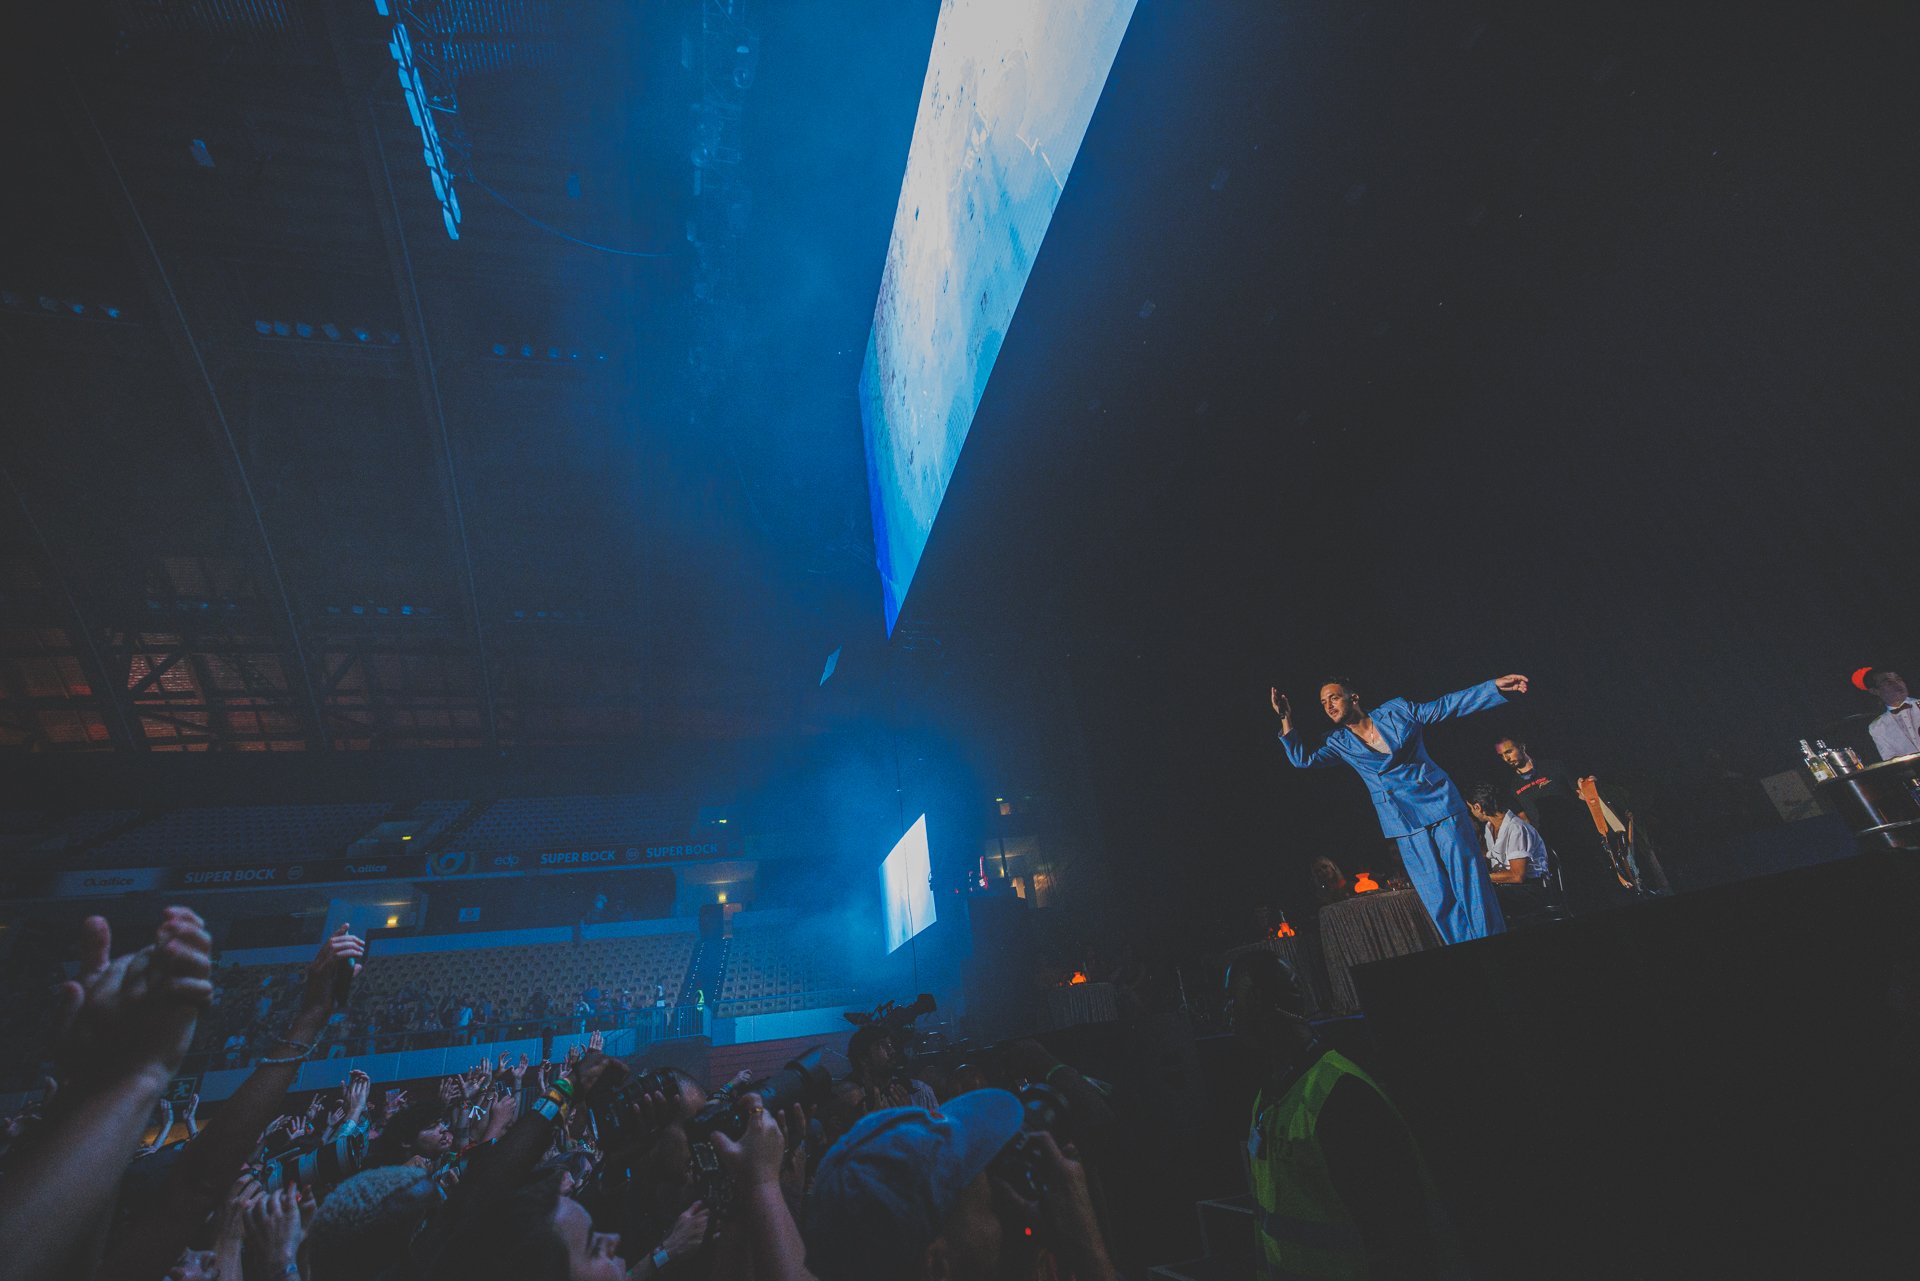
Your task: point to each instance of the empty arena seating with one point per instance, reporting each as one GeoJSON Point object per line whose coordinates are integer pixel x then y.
{"type": "Point", "coordinates": [561, 970]}
{"type": "Point", "coordinates": [769, 972]}
{"type": "Point", "coordinates": [399, 989]}
{"type": "Point", "coordinates": [565, 822]}
{"type": "Point", "coordinates": [237, 834]}
{"type": "Point", "coordinates": [22, 832]}
{"type": "Point", "coordinates": [440, 815]}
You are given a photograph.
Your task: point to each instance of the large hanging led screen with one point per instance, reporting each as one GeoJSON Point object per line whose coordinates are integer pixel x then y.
{"type": "Point", "coordinates": [906, 886]}
{"type": "Point", "coordinates": [1010, 88]}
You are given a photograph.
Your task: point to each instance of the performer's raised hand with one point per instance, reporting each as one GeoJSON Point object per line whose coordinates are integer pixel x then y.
{"type": "Point", "coordinates": [1281, 708]}
{"type": "Point", "coordinates": [1510, 684]}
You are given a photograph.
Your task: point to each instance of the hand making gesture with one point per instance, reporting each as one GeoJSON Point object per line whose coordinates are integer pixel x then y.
{"type": "Point", "coordinates": [1281, 708]}
{"type": "Point", "coordinates": [135, 1016]}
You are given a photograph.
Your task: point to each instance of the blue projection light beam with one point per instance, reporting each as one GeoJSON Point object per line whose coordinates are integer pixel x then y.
{"type": "Point", "coordinates": [906, 887]}
{"type": "Point", "coordinates": [1010, 88]}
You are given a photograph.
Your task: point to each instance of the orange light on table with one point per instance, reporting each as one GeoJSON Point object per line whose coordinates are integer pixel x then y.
{"type": "Point", "coordinates": [1364, 882]}
{"type": "Point", "coordinates": [1079, 976]}
{"type": "Point", "coordinates": [1283, 931]}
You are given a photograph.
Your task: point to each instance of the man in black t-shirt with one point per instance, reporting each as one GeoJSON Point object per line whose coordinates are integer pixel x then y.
{"type": "Point", "coordinates": [1547, 793]}
{"type": "Point", "coordinates": [1535, 780]}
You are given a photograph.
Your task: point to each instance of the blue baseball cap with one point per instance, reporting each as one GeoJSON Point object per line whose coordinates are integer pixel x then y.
{"type": "Point", "coordinates": [882, 1192]}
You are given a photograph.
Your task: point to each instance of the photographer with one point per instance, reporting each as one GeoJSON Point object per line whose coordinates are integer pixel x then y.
{"type": "Point", "coordinates": [880, 1071]}
{"type": "Point", "coordinates": [910, 1194]}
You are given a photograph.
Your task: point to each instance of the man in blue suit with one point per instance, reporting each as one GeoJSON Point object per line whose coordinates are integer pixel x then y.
{"type": "Point", "coordinates": [1419, 807]}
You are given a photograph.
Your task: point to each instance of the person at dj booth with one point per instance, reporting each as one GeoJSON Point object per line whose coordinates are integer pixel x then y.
{"type": "Point", "coordinates": [1516, 854]}
{"type": "Point", "coordinates": [1896, 730]}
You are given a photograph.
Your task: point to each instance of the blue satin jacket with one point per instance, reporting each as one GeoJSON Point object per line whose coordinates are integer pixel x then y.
{"type": "Point", "coordinates": [1408, 790]}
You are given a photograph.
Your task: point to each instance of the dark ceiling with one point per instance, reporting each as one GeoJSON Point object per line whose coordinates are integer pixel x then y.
{"type": "Point", "coordinates": [1416, 342]}
{"type": "Point", "coordinates": [293, 469]}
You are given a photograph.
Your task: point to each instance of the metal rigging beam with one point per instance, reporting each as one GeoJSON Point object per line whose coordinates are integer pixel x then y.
{"type": "Point", "coordinates": [173, 319]}
{"type": "Point", "coordinates": [360, 109]}
{"type": "Point", "coordinates": [109, 691]}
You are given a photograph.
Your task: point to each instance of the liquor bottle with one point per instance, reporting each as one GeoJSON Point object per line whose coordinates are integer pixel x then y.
{"type": "Point", "coordinates": [1816, 764]}
{"type": "Point", "coordinates": [1832, 757]}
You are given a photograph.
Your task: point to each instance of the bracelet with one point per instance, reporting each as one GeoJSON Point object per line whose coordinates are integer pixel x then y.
{"type": "Point", "coordinates": [305, 1047]}
{"type": "Point", "coordinates": [292, 1058]}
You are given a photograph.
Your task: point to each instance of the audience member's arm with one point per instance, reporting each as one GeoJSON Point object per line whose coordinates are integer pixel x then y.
{"type": "Point", "coordinates": [500, 1115]}
{"type": "Point", "coordinates": [688, 1234]}
{"type": "Point", "coordinates": [165, 1129]}
{"type": "Point", "coordinates": [753, 1164]}
{"type": "Point", "coordinates": [191, 1116]}
{"type": "Point", "coordinates": [129, 1023]}
{"type": "Point", "coordinates": [274, 1230]}
{"type": "Point", "coordinates": [231, 1237]}
{"type": "Point", "coordinates": [154, 1239]}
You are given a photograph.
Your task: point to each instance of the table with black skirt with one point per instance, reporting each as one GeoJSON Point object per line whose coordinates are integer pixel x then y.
{"type": "Point", "coordinates": [1369, 927]}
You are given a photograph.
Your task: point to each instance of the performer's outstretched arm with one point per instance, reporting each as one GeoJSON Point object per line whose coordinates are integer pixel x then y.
{"type": "Point", "coordinates": [1298, 756]}
{"type": "Point", "coordinates": [1466, 702]}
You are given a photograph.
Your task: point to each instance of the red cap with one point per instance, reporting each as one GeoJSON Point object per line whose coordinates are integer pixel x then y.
{"type": "Point", "coordinates": [1860, 680]}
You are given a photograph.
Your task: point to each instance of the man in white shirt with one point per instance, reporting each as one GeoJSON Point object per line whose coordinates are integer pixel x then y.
{"type": "Point", "coordinates": [1516, 853]}
{"type": "Point", "coordinates": [1896, 731]}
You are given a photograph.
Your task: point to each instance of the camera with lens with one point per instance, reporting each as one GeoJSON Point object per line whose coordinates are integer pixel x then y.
{"type": "Point", "coordinates": [807, 1080]}
{"type": "Point", "coordinates": [328, 1164]}
{"type": "Point", "coordinates": [615, 1100]}
{"type": "Point", "coordinates": [1042, 1111]}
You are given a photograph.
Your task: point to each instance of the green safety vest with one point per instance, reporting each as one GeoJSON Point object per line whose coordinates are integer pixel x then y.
{"type": "Point", "coordinates": [1303, 1228]}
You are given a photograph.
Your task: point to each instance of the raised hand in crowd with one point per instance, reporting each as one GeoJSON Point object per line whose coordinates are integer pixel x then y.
{"type": "Point", "coordinates": [124, 1027]}
{"type": "Point", "coordinates": [684, 1238]}
{"type": "Point", "coordinates": [274, 1230]}
{"type": "Point", "coordinates": [500, 1114]}
{"type": "Point", "coordinates": [359, 1085]}
{"type": "Point", "coordinates": [596, 1041]}
{"type": "Point", "coordinates": [191, 1115]}
{"type": "Point", "coordinates": [230, 1235]}
{"type": "Point", "coordinates": [163, 1127]}
{"type": "Point", "coordinates": [450, 1089]}
{"type": "Point", "coordinates": [156, 1231]}
{"type": "Point", "coordinates": [471, 1082]}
